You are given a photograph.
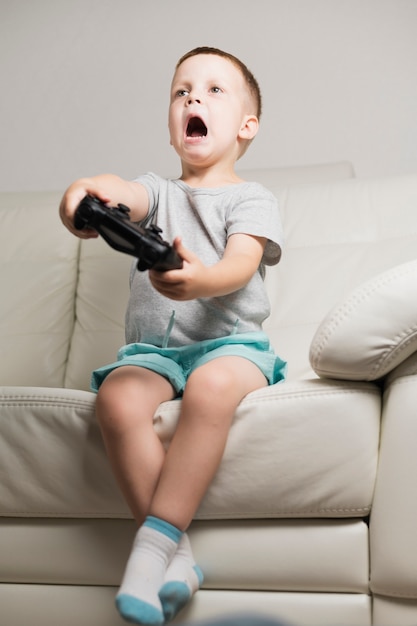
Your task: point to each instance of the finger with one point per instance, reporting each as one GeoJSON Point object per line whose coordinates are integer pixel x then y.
{"type": "Point", "coordinates": [86, 233]}
{"type": "Point", "coordinates": [164, 280]}
{"type": "Point", "coordinates": [184, 253]}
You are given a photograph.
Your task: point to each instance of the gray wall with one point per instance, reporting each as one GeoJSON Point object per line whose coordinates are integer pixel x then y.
{"type": "Point", "coordinates": [84, 83]}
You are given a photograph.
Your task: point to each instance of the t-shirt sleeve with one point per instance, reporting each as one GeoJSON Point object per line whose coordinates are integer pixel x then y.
{"type": "Point", "coordinates": [152, 183]}
{"type": "Point", "coordinates": [255, 212]}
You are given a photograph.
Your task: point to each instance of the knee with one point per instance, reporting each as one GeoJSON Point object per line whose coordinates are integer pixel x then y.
{"type": "Point", "coordinates": [109, 398]}
{"type": "Point", "coordinates": [214, 382]}
{"type": "Point", "coordinates": [117, 404]}
{"type": "Point", "coordinates": [129, 397]}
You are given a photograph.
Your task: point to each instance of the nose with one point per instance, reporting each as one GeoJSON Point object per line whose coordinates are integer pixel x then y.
{"type": "Point", "coordinates": [193, 98]}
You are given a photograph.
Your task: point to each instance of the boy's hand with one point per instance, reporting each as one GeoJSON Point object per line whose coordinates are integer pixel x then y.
{"type": "Point", "coordinates": [240, 261]}
{"type": "Point", "coordinates": [108, 188]}
{"type": "Point", "coordinates": [186, 283]}
{"type": "Point", "coordinates": [70, 201]}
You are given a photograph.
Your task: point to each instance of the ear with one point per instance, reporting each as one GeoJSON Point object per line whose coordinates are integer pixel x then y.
{"type": "Point", "coordinates": [249, 128]}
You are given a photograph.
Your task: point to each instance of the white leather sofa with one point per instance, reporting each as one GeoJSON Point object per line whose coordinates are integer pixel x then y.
{"type": "Point", "coordinates": [312, 517]}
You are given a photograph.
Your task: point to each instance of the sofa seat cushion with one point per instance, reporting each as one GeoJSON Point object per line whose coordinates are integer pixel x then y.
{"type": "Point", "coordinates": [306, 450]}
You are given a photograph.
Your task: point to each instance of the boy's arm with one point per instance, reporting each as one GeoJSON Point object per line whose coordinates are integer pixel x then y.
{"type": "Point", "coordinates": [109, 189]}
{"type": "Point", "coordinates": [241, 259]}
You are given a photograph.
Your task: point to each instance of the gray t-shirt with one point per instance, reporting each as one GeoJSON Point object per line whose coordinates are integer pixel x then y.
{"type": "Point", "coordinates": [204, 218]}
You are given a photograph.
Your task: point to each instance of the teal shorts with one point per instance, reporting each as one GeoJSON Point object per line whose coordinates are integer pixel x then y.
{"type": "Point", "coordinates": [176, 364]}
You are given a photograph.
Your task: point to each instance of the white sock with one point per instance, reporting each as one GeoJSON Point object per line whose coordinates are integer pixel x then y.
{"type": "Point", "coordinates": [154, 547]}
{"type": "Point", "coordinates": [182, 579]}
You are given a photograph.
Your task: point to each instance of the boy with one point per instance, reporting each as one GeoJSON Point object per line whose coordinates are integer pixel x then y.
{"type": "Point", "coordinates": [195, 332]}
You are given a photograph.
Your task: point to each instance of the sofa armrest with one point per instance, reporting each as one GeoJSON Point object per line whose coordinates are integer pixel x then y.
{"type": "Point", "coordinates": [393, 518]}
{"type": "Point", "coordinates": [372, 331]}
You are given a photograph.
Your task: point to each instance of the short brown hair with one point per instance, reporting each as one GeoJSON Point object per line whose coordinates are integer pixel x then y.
{"type": "Point", "coordinates": [250, 79]}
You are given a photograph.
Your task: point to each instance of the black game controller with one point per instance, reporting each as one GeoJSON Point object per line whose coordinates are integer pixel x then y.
{"type": "Point", "coordinates": [114, 225]}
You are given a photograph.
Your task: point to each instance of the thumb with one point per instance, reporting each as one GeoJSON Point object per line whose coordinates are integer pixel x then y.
{"type": "Point", "coordinates": [182, 251]}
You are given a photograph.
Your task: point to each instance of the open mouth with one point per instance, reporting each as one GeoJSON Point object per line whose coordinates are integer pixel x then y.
{"type": "Point", "coordinates": [196, 128]}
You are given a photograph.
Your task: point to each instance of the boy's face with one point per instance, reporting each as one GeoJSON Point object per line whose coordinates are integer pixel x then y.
{"type": "Point", "coordinates": [210, 113]}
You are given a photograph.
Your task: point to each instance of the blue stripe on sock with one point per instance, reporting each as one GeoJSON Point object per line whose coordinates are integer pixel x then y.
{"type": "Point", "coordinates": [163, 527]}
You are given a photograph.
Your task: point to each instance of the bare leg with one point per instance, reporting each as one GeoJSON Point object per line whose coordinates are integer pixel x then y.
{"type": "Point", "coordinates": [169, 487]}
{"type": "Point", "coordinates": [211, 396]}
{"type": "Point", "coordinates": [210, 400]}
{"type": "Point", "coordinates": [126, 403]}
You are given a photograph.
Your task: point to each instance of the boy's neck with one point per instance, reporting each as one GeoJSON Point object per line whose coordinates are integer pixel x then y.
{"type": "Point", "coordinates": [210, 177]}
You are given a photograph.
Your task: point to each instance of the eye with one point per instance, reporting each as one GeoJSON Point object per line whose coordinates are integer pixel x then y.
{"type": "Point", "coordinates": [180, 93]}
{"type": "Point", "coordinates": [215, 89]}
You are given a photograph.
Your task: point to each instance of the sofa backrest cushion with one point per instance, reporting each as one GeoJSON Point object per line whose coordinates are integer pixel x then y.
{"type": "Point", "coordinates": [102, 288]}
{"type": "Point", "coordinates": [63, 301]}
{"type": "Point", "coordinates": [338, 235]}
{"type": "Point", "coordinates": [38, 276]}
{"type": "Point", "coordinates": [275, 178]}
{"type": "Point", "coordinates": [100, 304]}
